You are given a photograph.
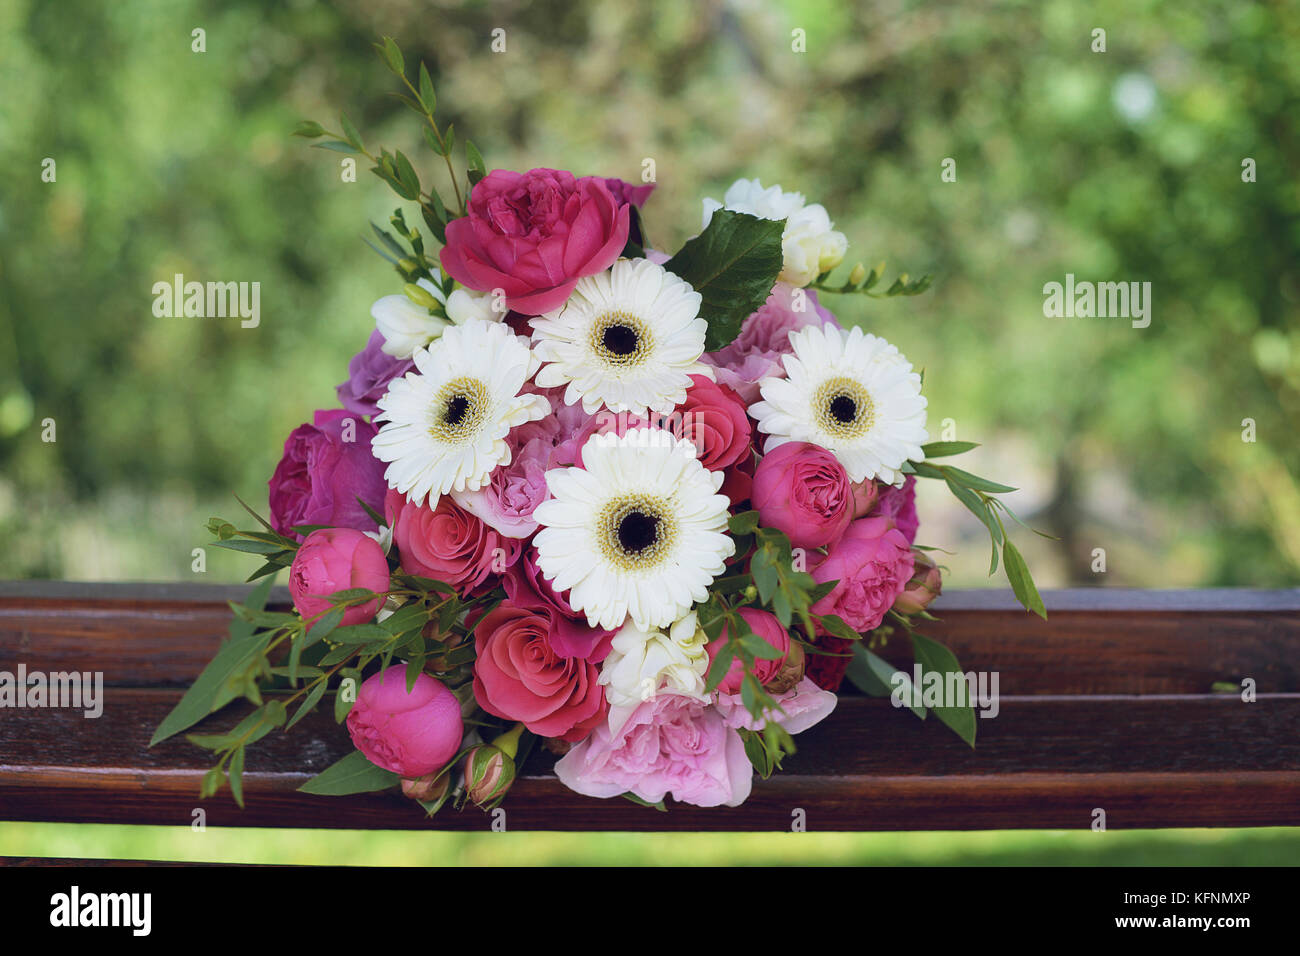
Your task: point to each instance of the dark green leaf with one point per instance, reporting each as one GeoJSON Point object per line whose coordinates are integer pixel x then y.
{"type": "Point", "coordinates": [353, 774]}
{"type": "Point", "coordinates": [945, 449]}
{"type": "Point", "coordinates": [1022, 582]}
{"type": "Point", "coordinates": [934, 657]}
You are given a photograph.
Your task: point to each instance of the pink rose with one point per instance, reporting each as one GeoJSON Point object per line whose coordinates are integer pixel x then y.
{"type": "Point", "coordinates": [568, 631]}
{"type": "Point", "coordinates": [670, 744]}
{"type": "Point", "coordinates": [766, 626]}
{"type": "Point", "coordinates": [802, 706]}
{"type": "Point", "coordinates": [872, 564]}
{"type": "Point", "coordinates": [899, 505]}
{"type": "Point", "coordinates": [447, 543]}
{"type": "Point", "coordinates": [412, 734]}
{"type": "Point", "coordinates": [715, 421]}
{"type": "Point", "coordinates": [326, 466]}
{"type": "Point", "coordinates": [337, 559]}
{"type": "Point", "coordinates": [765, 336]}
{"type": "Point", "coordinates": [534, 235]}
{"type": "Point", "coordinates": [803, 490]}
{"type": "Point", "coordinates": [518, 676]}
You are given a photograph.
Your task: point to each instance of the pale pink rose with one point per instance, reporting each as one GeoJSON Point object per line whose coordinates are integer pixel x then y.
{"type": "Point", "coordinates": [670, 744]}
{"type": "Point", "coordinates": [802, 706]}
{"type": "Point", "coordinates": [765, 336]}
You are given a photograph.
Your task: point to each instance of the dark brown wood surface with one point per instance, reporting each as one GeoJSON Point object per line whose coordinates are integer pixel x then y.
{"type": "Point", "coordinates": [1105, 706]}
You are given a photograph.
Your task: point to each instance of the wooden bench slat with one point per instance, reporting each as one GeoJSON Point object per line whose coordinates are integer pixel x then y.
{"type": "Point", "coordinates": [1043, 762]}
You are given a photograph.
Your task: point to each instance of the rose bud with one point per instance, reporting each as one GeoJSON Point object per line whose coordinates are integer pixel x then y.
{"type": "Point", "coordinates": [865, 495]}
{"type": "Point", "coordinates": [790, 672]}
{"type": "Point", "coordinates": [766, 626]}
{"type": "Point", "coordinates": [923, 587]}
{"type": "Point", "coordinates": [430, 787]}
{"type": "Point", "coordinates": [337, 559]}
{"type": "Point", "coordinates": [803, 490]}
{"type": "Point", "coordinates": [412, 734]}
{"type": "Point", "coordinates": [490, 769]}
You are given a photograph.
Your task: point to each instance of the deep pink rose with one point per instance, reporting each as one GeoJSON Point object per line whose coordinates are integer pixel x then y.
{"type": "Point", "coordinates": [766, 626]}
{"type": "Point", "coordinates": [518, 676]}
{"type": "Point", "coordinates": [568, 632]}
{"type": "Point", "coordinates": [369, 374]}
{"type": "Point", "coordinates": [899, 505]}
{"type": "Point", "coordinates": [671, 744]}
{"type": "Point", "coordinates": [447, 543]}
{"type": "Point", "coordinates": [715, 421]}
{"type": "Point", "coordinates": [326, 466]}
{"type": "Point", "coordinates": [803, 490]}
{"type": "Point", "coordinates": [872, 563]}
{"type": "Point", "coordinates": [411, 734]}
{"type": "Point", "coordinates": [534, 235]}
{"type": "Point", "coordinates": [765, 336]}
{"type": "Point", "coordinates": [337, 559]}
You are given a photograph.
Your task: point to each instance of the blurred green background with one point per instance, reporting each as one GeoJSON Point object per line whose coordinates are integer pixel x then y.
{"type": "Point", "coordinates": [1122, 165]}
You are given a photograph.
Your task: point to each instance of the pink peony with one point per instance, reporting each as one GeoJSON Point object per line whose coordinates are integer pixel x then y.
{"type": "Point", "coordinates": [670, 744]}
{"type": "Point", "coordinates": [518, 676]}
{"type": "Point", "coordinates": [337, 559]}
{"type": "Point", "coordinates": [326, 466]}
{"type": "Point", "coordinates": [803, 490]}
{"type": "Point", "coordinates": [802, 706]}
{"type": "Point", "coordinates": [756, 352]}
{"type": "Point", "coordinates": [872, 564]}
{"type": "Point", "coordinates": [447, 543]}
{"type": "Point", "coordinates": [534, 235]}
{"type": "Point", "coordinates": [766, 626]}
{"type": "Point", "coordinates": [412, 734]}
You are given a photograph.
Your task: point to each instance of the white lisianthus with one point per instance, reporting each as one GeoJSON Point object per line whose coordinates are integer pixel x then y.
{"type": "Point", "coordinates": [465, 306]}
{"type": "Point", "coordinates": [642, 664]}
{"type": "Point", "coordinates": [405, 325]}
{"type": "Point", "coordinates": [810, 244]}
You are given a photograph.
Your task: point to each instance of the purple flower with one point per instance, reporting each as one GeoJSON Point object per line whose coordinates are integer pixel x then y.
{"type": "Point", "coordinates": [326, 466]}
{"type": "Point", "coordinates": [369, 373]}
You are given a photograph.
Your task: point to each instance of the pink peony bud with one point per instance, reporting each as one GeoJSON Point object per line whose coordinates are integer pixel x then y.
{"type": "Point", "coordinates": [337, 559]}
{"type": "Point", "coordinates": [766, 626]}
{"type": "Point", "coordinates": [803, 490]}
{"type": "Point", "coordinates": [923, 587]}
{"type": "Point", "coordinates": [412, 734]}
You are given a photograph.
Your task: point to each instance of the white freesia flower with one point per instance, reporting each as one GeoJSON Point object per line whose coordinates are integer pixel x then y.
{"type": "Point", "coordinates": [405, 325]}
{"type": "Point", "coordinates": [465, 306]}
{"type": "Point", "coordinates": [810, 244]}
{"type": "Point", "coordinates": [644, 663]}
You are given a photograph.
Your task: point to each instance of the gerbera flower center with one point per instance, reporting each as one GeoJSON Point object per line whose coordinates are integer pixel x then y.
{"type": "Point", "coordinates": [843, 408]}
{"type": "Point", "coordinates": [637, 531]}
{"type": "Point", "coordinates": [459, 409]}
{"type": "Point", "coordinates": [621, 339]}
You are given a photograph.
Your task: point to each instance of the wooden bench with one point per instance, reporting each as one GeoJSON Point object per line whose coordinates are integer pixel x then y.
{"type": "Point", "coordinates": [1106, 705]}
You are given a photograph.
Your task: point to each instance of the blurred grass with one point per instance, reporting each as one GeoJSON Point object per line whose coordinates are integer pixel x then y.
{"type": "Point", "coordinates": [1199, 847]}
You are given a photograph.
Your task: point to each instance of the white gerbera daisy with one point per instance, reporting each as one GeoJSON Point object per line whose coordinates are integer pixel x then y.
{"type": "Point", "coordinates": [445, 424]}
{"type": "Point", "coordinates": [629, 338]}
{"type": "Point", "coordinates": [851, 393]}
{"type": "Point", "coordinates": [639, 533]}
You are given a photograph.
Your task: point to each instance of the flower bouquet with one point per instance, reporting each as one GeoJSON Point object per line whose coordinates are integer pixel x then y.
{"type": "Point", "coordinates": [646, 510]}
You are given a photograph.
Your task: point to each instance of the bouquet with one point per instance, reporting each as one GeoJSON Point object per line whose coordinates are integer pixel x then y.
{"type": "Point", "coordinates": [645, 510]}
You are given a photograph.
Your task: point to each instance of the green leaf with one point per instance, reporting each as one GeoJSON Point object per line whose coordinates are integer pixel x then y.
{"type": "Point", "coordinates": [945, 449]}
{"type": "Point", "coordinates": [309, 129]}
{"type": "Point", "coordinates": [976, 505]}
{"type": "Point", "coordinates": [427, 98]}
{"type": "Point", "coordinates": [474, 159]}
{"type": "Point", "coordinates": [975, 481]}
{"type": "Point", "coordinates": [744, 523]}
{"type": "Point", "coordinates": [733, 265]}
{"type": "Point", "coordinates": [236, 773]}
{"type": "Point", "coordinates": [234, 658]}
{"type": "Point", "coordinates": [1022, 582]}
{"type": "Point", "coordinates": [353, 774]}
{"type": "Point", "coordinates": [392, 55]}
{"type": "Point", "coordinates": [350, 133]}
{"type": "Point", "coordinates": [406, 173]}
{"type": "Point", "coordinates": [933, 656]}
{"type": "Point", "coordinates": [309, 703]}
{"type": "Point", "coordinates": [337, 146]}
{"type": "Point", "coordinates": [874, 676]}
{"type": "Point", "coordinates": [646, 803]}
